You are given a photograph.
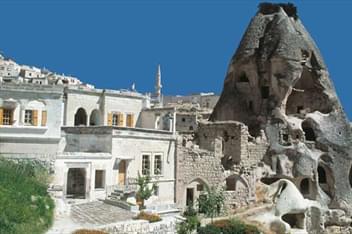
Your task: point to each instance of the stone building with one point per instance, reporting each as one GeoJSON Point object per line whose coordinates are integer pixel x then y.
{"type": "Point", "coordinates": [95, 141]}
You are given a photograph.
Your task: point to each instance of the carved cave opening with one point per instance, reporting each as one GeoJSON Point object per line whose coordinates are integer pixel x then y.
{"type": "Point", "coordinates": [307, 95]}
{"type": "Point", "coordinates": [308, 131]}
{"type": "Point", "coordinates": [294, 220]}
{"type": "Point", "coordinates": [243, 78]}
{"type": "Point", "coordinates": [304, 186]}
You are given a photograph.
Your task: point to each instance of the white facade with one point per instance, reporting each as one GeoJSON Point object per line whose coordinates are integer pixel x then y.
{"type": "Point", "coordinates": [38, 133]}
{"type": "Point", "coordinates": [90, 150]}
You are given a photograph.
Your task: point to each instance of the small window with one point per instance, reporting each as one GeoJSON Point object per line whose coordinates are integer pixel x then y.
{"type": "Point", "coordinates": [115, 119]}
{"type": "Point", "coordinates": [145, 165]}
{"type": "Point", "coordinates": [99, 179]}
{"type": "Point", "coordinates": [157, 165]}
{"type": "Point", "coordinates": [243, 78]}
{"type": "Point", "coordinates": [250, 105]}
{"type": "Point", "coordinates": [299, 109]}
{"type": "Point", "coordinates": [7, 117]}
{"type": "Point", "coordinates": [183, 119]}
{"type": "Point", "coordinates": [265, 91]}
{"type": "Point", "coordinates": [28, 117]}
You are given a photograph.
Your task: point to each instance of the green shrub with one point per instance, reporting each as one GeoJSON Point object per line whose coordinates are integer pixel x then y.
{"type": "Point", "coordinates": [25, 204]}
{"type": "Point", "coordinates": [192, 221]}
{"type": "Point", "coordinates": [232, 226]}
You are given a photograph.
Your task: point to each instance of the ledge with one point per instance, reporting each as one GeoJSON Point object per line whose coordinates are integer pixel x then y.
{"type": "Point", "coordinates": [22, 129]}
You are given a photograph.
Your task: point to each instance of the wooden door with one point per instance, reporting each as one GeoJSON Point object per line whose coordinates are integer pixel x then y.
{"type": "Point", "coordinates": [122, 172]}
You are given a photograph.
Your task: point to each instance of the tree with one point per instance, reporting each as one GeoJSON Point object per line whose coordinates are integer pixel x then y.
{"type": "Point", "coordinates": [211, 202]}
{"type": "Point", "coordinates": [144, 190]}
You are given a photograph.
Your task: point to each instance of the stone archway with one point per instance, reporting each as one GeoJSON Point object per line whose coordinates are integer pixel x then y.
{"type": "Point", "coordinates": [76, 183]}
{"type": "Point", "coordinates": [81, 117]}
{"type": "Point", "coordinates": [194, 190]}
{"type": "Point", "coordinates": [236, 183]}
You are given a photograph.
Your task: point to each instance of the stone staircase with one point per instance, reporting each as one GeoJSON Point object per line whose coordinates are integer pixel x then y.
{"type": "Point", "coordinates": [118, 197]}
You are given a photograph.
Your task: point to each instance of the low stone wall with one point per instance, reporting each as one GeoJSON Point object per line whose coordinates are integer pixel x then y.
{"type": "Point", "coordinates": [166, 226]}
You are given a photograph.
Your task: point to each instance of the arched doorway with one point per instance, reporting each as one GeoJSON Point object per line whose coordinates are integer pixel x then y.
{"type": "Point", "coordinates": [76, 183]}
{"type": "Point", "coordinates": [194, 190]}
{"type": "Point", "coordinates": [81, 117]}
{"type": "Point", "coordinates": [94, 118]}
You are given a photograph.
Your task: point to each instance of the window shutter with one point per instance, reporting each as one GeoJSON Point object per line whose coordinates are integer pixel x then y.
{"type": "Point", "coordinates": [1, 116]}
{"type": "Point", "coordinates": [130, 120]}
{"type": "Point", "coordinates": [35, 117]}
{"type": "Point", "coordinates": [44, 118]}
{"type": "Point", "coordinates": [120, 120]}
{"type": "Point", "coordinates": [110, 119]}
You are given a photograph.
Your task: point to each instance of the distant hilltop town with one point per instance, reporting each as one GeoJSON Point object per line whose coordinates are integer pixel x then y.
{"type": "Point", "coordinates": [10, 71]}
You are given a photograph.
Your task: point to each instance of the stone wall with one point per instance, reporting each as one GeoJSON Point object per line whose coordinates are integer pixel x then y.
{"type": "Point", "coordinates": [166, 226]}
{"type": "Point", "coordinates": [196, 165]}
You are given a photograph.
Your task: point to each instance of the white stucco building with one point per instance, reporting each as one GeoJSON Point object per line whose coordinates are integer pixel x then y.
{"type": "Point", "coordinates": [96, 141]}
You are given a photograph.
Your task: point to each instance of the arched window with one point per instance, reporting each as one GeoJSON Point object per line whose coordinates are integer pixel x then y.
{"type": "Point", "coordinates": [308, 131]}
{"type": "Point", "coordinates": [94, 118]}
{"type": "Point", "coordinates": [81, 117]}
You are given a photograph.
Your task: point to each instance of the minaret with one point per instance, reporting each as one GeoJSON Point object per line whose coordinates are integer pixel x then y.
{"type": "Point", "coordinates": [158, 85]}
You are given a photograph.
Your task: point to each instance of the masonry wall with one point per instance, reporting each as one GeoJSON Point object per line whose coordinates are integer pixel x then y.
{"type": "Point", "coordinates": [201, 166]}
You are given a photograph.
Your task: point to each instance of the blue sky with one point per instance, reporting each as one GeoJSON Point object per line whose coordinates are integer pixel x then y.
{"type": "Point", "coordinates": [114, 43]}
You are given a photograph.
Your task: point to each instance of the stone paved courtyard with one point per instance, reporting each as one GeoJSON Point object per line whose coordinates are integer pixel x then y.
{"type": "Point", "coordinates": [70, 217]}
{"type": "Point", "coordinates": [98, 213]}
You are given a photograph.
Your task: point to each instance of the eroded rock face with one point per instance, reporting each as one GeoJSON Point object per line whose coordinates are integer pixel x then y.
{"type": "Point", "coordinates": [278, 82]}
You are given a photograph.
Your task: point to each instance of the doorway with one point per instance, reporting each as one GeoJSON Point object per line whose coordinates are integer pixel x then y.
{"type": "Point", "coordinates": [122, 173]}
{"type": "Point", "coordinates": [190, 196]}
{"type": "Point", "coordinates": [76, 183]}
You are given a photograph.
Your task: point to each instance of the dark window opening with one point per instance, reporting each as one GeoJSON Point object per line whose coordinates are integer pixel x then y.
{"type": "Point", "coordinates": [226, 136]}
{"type": "Point", "coordinates": [183, 120]}
{"type": "Point", "coordinates": [285, 137]}
{"type": "Point", "coordinates": [299, 109]}
{"type": "Point", "coordinates": [265, 91]}
{"type": "Point", "coordinates": [250, 105]}
{"type": "Point", "coordinates": [309, 133]}
{"type": "Point", "coordinates": [321, 175]}
{"type": "Point", "coordinates": [305, 186]}
{"type": "Point", "coordinates": [243, 78]}
{"type": "Point", "coordinates": [294, 220]}
{"type": "Point", "coordinates": [191, 128]}
{"type": "Point", "coordinates": [81, 117]}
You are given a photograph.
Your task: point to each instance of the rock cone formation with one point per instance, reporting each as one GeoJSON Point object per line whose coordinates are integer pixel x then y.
{"type": "Point", "coordinates": [277, 82]}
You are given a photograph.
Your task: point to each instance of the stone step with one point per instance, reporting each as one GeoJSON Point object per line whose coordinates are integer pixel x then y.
{"type": "Point", "coordinates": [119, 203]}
